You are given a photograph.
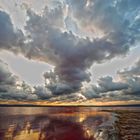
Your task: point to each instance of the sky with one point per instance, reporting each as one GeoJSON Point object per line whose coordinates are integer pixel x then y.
{"type": "Point", "coordinates": [70, 51]}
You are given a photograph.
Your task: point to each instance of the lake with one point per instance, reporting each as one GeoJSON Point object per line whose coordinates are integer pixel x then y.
{"type": "Point", "coordinates": [57, 123]}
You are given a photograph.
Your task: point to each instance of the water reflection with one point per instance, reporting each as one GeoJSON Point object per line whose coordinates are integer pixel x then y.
{"type": "Point", "coordinates": [54, 124]}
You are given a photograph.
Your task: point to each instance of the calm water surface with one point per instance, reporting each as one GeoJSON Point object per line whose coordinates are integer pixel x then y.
{"type": "Point", "coordinates": [55, 123]}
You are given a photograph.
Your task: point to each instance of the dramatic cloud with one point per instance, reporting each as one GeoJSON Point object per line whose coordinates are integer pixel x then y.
{"type": "Point", "coordinates": [106, 84]}
{"type": "Point", "coordinates": [42, 93]}
{"type": "Point", "coordinates": [90, 92]}
{"type": "Point", "coordinates": [73, 97]}
{"type": "Point", "coordinates": [72, 36]}
{"type": "Point", "coordinates": [11, 88]}
{"type": "Point", "coordinates": [127, 88]}
{"type": "Point", "coordinates": [118, 20]}
{"type": "Point", "coordinates": [131, 76]}
{"type": "Point", "coordinates": [6, 77]}
{"type": "Point", "coordinates": [9, 37]}
{"type": "Point", "coordinates": [130, 72]}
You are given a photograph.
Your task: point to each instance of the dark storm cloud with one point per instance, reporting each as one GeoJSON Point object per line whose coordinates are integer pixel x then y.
{"type": "Point", "coordinates": [48, 39]}
{"type": "Point", "coordinates": [55, 84]}
{"type": "Point", "coordinates": [71, 55]}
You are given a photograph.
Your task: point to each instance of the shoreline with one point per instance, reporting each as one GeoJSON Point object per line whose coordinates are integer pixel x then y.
{"type": "Point", "coordinates": [108, 130]}
{"type": "Point", "coordinates": [124, 126]}
{"type": "Point", "coordinates": [128, 124]}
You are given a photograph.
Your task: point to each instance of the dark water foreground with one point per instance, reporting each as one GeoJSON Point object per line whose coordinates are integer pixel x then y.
{"type": "Point", "coordinates": [57, 123]}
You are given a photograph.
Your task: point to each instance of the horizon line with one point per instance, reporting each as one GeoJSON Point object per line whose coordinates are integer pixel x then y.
{"type": "Point", "coordinates": [34, 105]}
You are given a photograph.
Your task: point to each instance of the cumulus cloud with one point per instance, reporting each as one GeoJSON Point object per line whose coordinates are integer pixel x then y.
{"type": "Point", "coordinates": [127, 88]}
{"type": "Point", "coordinates": [9, 37]}
{"type": "Point", "coordinates": [42, 93]}
{"type": "Point", "coordinates": [11, 87]}
{"type": "Point", "coordinates": [6, 76]}
{"type": "Point", "coordinates": [133, 71]}
{"type": "Point", "coordinates": [71, 55]}
{"type": "Point", "coordinates": [110, 18]}
{"type": "Point", "coordinates": [57, 38]}
{"type": "Point", "coordinates": [90, 92]}
{"type": "Point", "coordinates": [73, 97]}
{"type": "Point", "coordinates": [106, 84]}
{"type": "Point", "coordinates": [131, 76]}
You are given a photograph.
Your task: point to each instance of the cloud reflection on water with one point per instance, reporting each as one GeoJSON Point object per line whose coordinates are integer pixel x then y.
{"type": "Point", "coordinates": [54, 124]}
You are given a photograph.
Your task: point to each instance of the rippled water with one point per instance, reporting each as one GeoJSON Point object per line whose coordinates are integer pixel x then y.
{"type": "Point", "coordinates": [55, 123]}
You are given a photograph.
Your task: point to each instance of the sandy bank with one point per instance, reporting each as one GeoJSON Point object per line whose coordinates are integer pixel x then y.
{"type": "Point", "coordinates": [128, 125]}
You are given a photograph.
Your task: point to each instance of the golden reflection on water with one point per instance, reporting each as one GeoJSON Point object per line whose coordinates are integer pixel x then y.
{"type": "Point", "coordinates": [54, 124]}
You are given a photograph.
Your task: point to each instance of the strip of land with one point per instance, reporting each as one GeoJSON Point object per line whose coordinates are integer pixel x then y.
{"type": "Point", "coordinates": [59, 105]}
